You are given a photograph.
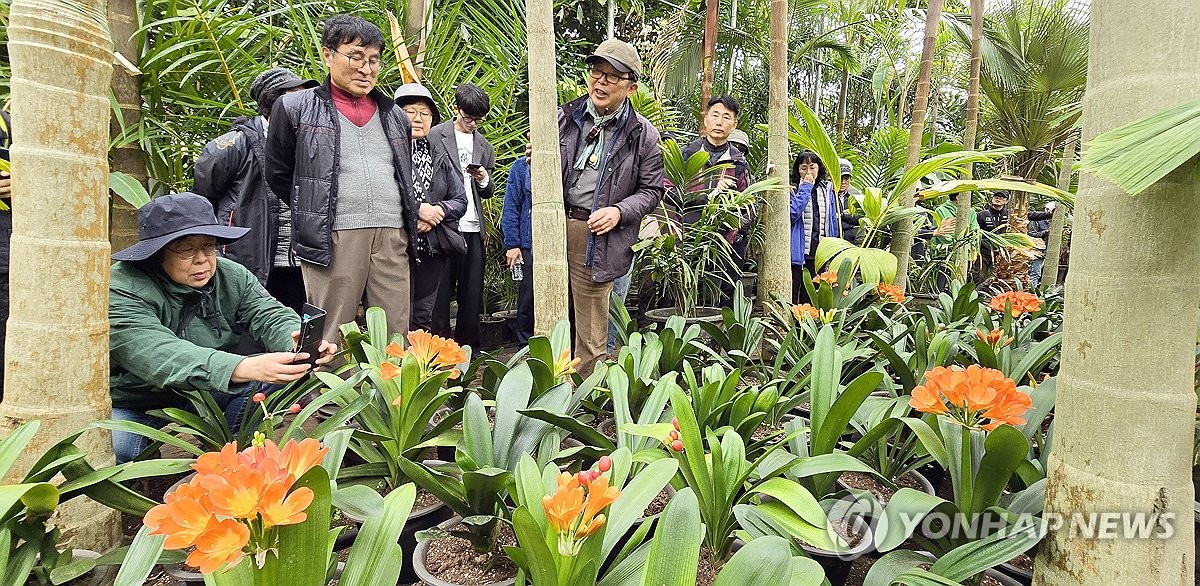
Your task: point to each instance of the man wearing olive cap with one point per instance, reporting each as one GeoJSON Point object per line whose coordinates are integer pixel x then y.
{"type": "Point", "coordinates": [612, 175]}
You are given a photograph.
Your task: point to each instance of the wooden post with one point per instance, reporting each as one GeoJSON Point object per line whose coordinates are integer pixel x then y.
{"type": "Point", "coordinates": [549, 217]}
{"type": "Point", "coordinates": [57, 344]}
{"type": "Point", "coordinates": [710, 49]}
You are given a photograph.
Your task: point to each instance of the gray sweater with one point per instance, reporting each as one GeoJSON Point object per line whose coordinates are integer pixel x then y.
{"type": "Point", "coordinates": [368, 195]}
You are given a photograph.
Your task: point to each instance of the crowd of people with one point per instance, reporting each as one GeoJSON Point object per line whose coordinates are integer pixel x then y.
{"type": "Point", "coordinates": [340, 196]}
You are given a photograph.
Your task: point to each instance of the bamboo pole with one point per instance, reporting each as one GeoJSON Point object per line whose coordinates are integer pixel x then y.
{"type": "Point", "coordinates": [962, 201]}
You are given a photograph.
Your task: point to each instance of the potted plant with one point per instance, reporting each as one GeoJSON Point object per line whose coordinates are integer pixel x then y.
{"type": "Point", "coordinates": [689, 263]}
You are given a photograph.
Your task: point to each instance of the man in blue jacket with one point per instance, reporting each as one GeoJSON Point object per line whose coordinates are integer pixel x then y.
{"type": "Point", "coordinates": [517, 227]}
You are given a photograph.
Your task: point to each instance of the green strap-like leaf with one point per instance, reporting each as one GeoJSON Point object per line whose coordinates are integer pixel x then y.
{"type": "Point", "coordinates": [376, 558]}
{"type": "Point", "coordinates": [675, 549]}
{"type": "Point", "coordinates": [766, 560]}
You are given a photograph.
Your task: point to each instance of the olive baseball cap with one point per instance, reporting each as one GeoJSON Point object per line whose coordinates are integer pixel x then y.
{"type": "Point", "coordinates": [621, 55]}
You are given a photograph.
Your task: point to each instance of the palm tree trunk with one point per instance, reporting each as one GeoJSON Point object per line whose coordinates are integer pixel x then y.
{"type": "Point", "coordinates": [127, 157]}
{"type": "Point", "coordinates": [902, 240]}
{"type": "Point", "coordinates": [843, 89]}
{"type": "Point", "coordinates": [415, 15]}
{"type": "Point", "coordinates": [57, 344]}
{"type": "Point", "coordinates": [962, 201]}
{"type": "Point", "coordinates": [710, 49]}
{"type": "Point", "coordinates": [733, 50]}
{"type": "Point", "coordinates": [549, 216]}
{"type": "Point", "coordinates": [1125, 407]}
{"type": "Point", "coordinates": [775, 276]}
{"type": "Point", "coordinates": [1059, 220]}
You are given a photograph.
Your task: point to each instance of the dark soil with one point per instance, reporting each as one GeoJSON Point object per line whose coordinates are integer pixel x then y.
{"type": "Point", "coordinates": [882, 492]}
{"type": "Point", "coordinates": [858, 570]}
{"type": "Point", "coordinates": [1023, 562]}
{"type": "Point", "coordinates": [766, 430]}
{"type": "Point", "coordinates": [843, 529]}
{"type": "Point", "coordinates": [608, 428]}
{"type": "Point", "coordinates": [706, 573]}
{"type": "Point", "coordinates": [658, 505]}
{"type": "Point", "coordinates": [452, 559]}
{"type": "Point", "coordinates": [424, 500]}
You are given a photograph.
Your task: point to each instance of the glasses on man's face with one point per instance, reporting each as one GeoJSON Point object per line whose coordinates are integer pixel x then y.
{"type": "Point", "coordinates": [470, 119]}
{"type": "Point", "coordinates": [418, 114]}
{"type": "Point", "coordinates": [190, 252]}
{"type": "Point", "coordinates": [612, 78]}
{"type": "Point", "coordinates": [357, 61]}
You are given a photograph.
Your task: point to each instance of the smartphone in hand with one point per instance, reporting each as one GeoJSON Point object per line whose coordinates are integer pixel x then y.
{"type": "Point", "coordinates": [474, 167]}
{"type": "Point", "coordinates": [312, 325]}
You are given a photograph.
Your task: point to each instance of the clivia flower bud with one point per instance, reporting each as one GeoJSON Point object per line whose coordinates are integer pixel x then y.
{"type": "Point", "coordinates": [675, 422]}
{"type": "Point", "coordinates": [674, 434]}
{"type": "Point", "coordinates": [259, 397]}
{"type": "Point", "coordinates": [294, 409]}
{"type": "Point", "coordinates": [605, 463]}
{"type": "Point", "coordinates": [677, 446]}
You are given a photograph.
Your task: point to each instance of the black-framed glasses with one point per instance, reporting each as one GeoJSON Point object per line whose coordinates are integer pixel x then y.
{"type": "Point", "coordinates": [190, 252]}
{"type": "Point", "coordinates": [469, 118]}
{"type": "Point", "coordinates": [357, 61]}
{"type": "Point", "coordinates": [612, 78]}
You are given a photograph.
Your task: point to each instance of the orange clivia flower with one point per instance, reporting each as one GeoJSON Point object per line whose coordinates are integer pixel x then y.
{"type": "Point", "coordinates": [389, 371]}
{"type": "Point", "coordinates": [574, 510]}
{"type": "Point", "coordinates": [890, 292]}
{"type": "Point", "coordinates": [394, 350]}
{"type": "Point", "coordinates": [220, 545]}
{"type": "Point", "coordinates": [804, 309]}
{"type": "Point", "coordinates": [826, 277]}
{"type": "Point", "coordinates": [235, 500]}
{"type": "Point", "coordinates": [991, 338]}
{"type": "Point", "coordinates": [971, 396]}
{"type": "Point", "coordinates": [435, 353]}
{"type": "Point", "coordinates": [276, 509]}
{"type": "Point", "coordinates": [1019, 301]}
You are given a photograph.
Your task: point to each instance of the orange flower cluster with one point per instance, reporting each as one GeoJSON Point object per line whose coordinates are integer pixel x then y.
{"type": "Point", "coordinates": [826, 277]}
{"type": "Point", "coordinates": [970, 396]}
{"type": "Point", "coordinates": [804, 309]}
{"type": "Point", "coordinates": [890, 292]}
{"type": "Point", "coordinates": [574, 508]}
{"type": "Point", "coordinates": [434, 354]}
{"type": "Point", "coordinates": [1021, 302]}
{"type": "Point", "coordinates": [234, 496]}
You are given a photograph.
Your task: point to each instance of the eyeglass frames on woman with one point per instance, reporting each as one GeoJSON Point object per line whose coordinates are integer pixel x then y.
{"type": "Point", "coordinates": [190, 252]}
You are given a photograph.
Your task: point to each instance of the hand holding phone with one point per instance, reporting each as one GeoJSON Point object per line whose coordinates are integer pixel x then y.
{"type": "Point", "coordinates": [312, 325]}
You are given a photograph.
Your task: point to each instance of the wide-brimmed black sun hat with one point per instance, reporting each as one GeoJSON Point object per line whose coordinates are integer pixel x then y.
{"type": "Point", "coordinates": [174, 216]}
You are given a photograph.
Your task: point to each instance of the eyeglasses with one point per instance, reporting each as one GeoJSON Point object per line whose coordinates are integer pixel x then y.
{"type": "Point", "coordinates": [190, 252]}
{"type": "Point", "coordinates": [612, 78]}
{"type": "Point", "coordinates": [357, 61]}
{"type": "Point", "coordinates": [415, 114]}
{"type": "Point", "coordinates": [471, 119]}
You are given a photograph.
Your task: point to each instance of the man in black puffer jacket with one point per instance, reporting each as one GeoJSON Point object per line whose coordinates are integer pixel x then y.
{"type": "Point", "coordinates": [343, 154]}
{"type": "Point", "coordinates": [229, 172]}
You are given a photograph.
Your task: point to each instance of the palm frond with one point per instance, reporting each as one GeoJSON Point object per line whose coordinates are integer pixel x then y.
{"type": "Point", "coordinates": [1139, 154]}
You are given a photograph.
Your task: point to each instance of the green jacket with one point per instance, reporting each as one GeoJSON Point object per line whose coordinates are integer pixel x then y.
{"type": "Point", "coordinates": [166, 336]}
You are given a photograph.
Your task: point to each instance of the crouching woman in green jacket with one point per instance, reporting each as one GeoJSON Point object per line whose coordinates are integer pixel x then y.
{"type": "Point", "coordinates": [176, 314]}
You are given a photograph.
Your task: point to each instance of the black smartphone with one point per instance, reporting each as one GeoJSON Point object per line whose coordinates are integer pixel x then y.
{"type": "Point", "coordinates": [312, 324]}
{"type": "Point", "coordinates": [474, 167]}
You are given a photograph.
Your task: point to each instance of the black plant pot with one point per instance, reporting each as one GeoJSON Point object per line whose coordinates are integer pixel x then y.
{"type": "Point", "coordinates": [492, 332]}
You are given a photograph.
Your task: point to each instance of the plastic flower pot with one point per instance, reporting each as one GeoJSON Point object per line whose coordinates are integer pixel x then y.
{"type": "Point", "coordinates": [837, 564]}
{"type": "Point", "coordinates": [926, 485]}
{"type": "Point", "coordinates": [492, 332]}
{"type": "Point", "coordinates": [423, 573]}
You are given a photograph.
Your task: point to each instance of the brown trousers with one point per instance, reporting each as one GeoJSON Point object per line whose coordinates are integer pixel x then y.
{"type": "Point", "coordinates": [369, 266]}
{"type": "Point", "coordinates": [589, 300]}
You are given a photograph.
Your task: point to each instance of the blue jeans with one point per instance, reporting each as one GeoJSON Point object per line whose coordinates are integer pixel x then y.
{"type": "Point", "coordinates": [620, 290]}
{"type": "Point", "coordinates": [128, 445]}
{"type": "Point", "coordinates": [1035, 271]}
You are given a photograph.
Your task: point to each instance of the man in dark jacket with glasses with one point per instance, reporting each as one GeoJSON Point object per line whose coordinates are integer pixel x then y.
{"type": "Point", "coordinates": [612, 174]}
{"type": "Point", "coordinates": [343, 154]}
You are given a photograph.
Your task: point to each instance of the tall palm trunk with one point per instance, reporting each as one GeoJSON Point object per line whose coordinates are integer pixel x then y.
{"type": "Point", "coordinates": [57, 343]}
{"type": "Point", "coordinates": [549, 216]}
{"type": "Point", "coordinates": [1125, 404]}
{"type": "Point", "coordinates": [962, 201]}
{"type": "Point", "coordinates": [1059, 220]}
{"type": "Point", "coordinates": [902, 239]}
{"type": "Point", "coordinates": [843, 89]}
{"type": "Point", "coordinates": [710, 51]}
{"type": "Point", "coordinates": [127, 158]}
{"type": "Point", "coordinates": [415, 17]}
{"type": "Point", "coordinates": [775, 276]}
